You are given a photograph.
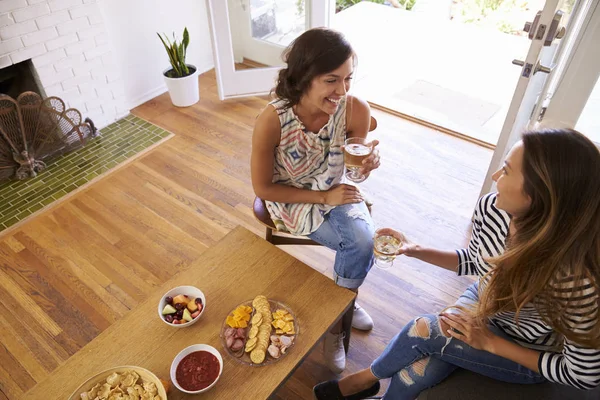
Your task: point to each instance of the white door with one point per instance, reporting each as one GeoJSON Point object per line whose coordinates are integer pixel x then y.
{"type": "Point", "coordinates": [256, 32]}
{"type": "Point", "coordinates": [564, 50]}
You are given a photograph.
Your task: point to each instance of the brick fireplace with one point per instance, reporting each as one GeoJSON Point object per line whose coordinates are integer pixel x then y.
{"type": "Point", "coordinates": [71, 58]}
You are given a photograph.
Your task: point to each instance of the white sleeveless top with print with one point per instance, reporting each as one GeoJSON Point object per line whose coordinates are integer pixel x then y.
{"type": "Point", "coordinates": [306, 160]}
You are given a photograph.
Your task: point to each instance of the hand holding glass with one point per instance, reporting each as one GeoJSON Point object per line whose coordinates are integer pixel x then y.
{"type": "Point", "coordinates": [385, 247]}
{"type": "Point", "coordinates": [356, 150]}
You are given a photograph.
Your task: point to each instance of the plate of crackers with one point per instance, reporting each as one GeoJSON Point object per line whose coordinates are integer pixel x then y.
{"type": "Point", "coordinates": [259, 331]}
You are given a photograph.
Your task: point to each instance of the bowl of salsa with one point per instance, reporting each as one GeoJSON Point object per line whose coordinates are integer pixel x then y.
{"type": "Point", "coordinates": [196, 368]}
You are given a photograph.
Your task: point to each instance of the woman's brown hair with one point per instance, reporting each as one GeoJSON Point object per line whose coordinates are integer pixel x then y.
{"type": "Point", "coordinates": [315, 52]}
{"type": "Point", "coordinates": [553, 260]}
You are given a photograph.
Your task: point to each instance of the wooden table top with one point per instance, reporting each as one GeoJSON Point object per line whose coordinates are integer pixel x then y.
{"type": "Point", "coordinates": [238, 268]}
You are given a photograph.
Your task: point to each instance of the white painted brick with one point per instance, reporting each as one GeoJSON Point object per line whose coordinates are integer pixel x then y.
{"type": "Point", "coordinates": [8, 46]}
{"type": "Point", "coordinates": [122, 109]}
{"type": "Point", "coordinates": [39, 36]}
{"type": "Point", "coordinates": [91, 32]}
{"type": "Point", "coordinates": [101, 80]}
{"type": "Point", "coordinates": [6, 19]}
{"type": "Point", "coordinates": [118, 90]}
{"type": "Point", "coordinates": [45, 71]}
{"type": "Point", "coordinates": [104, 92]}
{"type": "Point", "coordinates": [88, 66]}
{"type": "Point", "coordinates": [15, 30]}
{"type": "Point", "coordinates": [56, 77]}
{"type": "Point", "coordinates": [78, 80]}
{"type": "Point", "coordinates": [11, 5]}
{"type": "Point", "coordinates": [101, 39]}
{"type": "Point", "coordinates": [5, 62]}
{"type": "Point", "coordinates": [61, 42]}
{"type": "Point", "coordinates": [69, 62]}
{"type": "Point", "coordinates": [28, 53]}
{"type": "Point", "coordinates": [80, 47]}
{"type": "Point", "coordinates": [85, 11]}
{"type": "Point", "coordinates": [31, 12]}
{"type": "Point", "coordinates": [73, 26]}
{"type": "Point", "coordinates": [78, 104]}
{"type": "Point", "coordinates": [71, 97]}
{"type": "Point", "coordinates": [96, 113]}
{"type": "Point", "coordinates": [32, 2]}
{"type": "Point", "coordinates": [96, 19]}
{"type": "Point", "coordinates": [87, 89]}
{"type": "Point", "coordinates": [49, 58]}
{"type": "Point", "coordinates": [108, 60]}
{"type": "Point", "coordinates": [97, 51]}
{"type": "Point", "coordinates": [53, 19]}
{"type": "Point", "coordinates": [58, 5]}
{"type": "Point", "coordinates": [93, 103]}
{"type": "Point", "coordinates": [55, 90]}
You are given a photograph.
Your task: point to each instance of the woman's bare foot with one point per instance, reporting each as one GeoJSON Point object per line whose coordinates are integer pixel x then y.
{"type": "Point", "coordinates": [357, 382]}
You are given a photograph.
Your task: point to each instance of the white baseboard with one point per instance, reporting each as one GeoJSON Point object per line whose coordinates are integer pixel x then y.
{"type": "Point", "coordinates": [149, 95]}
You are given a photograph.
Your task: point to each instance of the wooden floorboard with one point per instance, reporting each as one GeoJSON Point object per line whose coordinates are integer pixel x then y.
{"type": "Point", "coordinates": [71, 272]}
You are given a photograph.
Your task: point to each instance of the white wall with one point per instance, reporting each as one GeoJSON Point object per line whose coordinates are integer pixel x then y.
{"type": "Point", "coordinates": [139, 53]}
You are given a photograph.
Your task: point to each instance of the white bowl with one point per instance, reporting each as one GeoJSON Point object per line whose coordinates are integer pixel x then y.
{"type": "Point", "coordinates": [185, 352]}
{"type": "Point", "coordinates": [190, 291]}
{"type": "Point", "coordinates": [100, 378]}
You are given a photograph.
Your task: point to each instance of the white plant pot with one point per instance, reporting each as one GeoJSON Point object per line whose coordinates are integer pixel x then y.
{"type": "Point", "coordinates": [184, 91]}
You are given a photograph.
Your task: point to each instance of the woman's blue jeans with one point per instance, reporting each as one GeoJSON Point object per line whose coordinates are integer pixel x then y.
{"type": "Point", "coordinates": [416, 362]}
{"type": "Point", "coordinates": [348, 229]}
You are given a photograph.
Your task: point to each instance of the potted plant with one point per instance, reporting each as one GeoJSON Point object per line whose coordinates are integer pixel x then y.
{"type": "Point", "coordinates": [181, 78]}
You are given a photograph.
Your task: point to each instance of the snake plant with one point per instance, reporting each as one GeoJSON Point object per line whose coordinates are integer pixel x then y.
{"type": "Point", "coordinates": [177, 53]}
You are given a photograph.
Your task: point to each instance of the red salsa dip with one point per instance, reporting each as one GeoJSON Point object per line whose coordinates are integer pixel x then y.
{"type": "Point", "coordinates": [197, 370]}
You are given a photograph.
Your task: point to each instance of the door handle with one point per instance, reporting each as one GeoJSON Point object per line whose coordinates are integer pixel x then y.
{"type": "Point", "coordinates": [532, 27]}
{"type": "Point", "coordinates": [538, 67]}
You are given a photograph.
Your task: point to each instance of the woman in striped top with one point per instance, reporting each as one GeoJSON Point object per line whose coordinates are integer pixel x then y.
{"type": "Point", "coordinates": [533, 314]}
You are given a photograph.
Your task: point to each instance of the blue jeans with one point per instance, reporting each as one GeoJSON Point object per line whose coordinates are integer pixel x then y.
{"type": "Point", "coordinates": [348, 229]}
{"type": "Point", "coordinates": [416, 363]}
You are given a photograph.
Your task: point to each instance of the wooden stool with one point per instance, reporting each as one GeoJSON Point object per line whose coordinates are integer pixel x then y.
{"type": "Point", "coordinates": [272, 235]}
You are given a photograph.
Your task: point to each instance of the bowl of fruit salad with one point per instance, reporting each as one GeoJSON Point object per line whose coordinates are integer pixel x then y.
{"type": "Point", "coordinates": [182, 306]}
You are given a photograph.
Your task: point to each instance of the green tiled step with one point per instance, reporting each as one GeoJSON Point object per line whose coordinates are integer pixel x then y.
{"type": "Point", "coordinates": [118, 142]}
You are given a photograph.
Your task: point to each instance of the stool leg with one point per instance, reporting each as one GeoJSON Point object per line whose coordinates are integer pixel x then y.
{"type": "Point", "coordinates": [269, 235]}
{"type": "Point", "coordinates": [347, 326]}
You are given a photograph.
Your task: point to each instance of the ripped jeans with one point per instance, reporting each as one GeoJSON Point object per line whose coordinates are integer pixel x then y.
{"type": "Point", "coordinates": [348, 229]}
{"type": "Point", "coordinates": [416, 362]}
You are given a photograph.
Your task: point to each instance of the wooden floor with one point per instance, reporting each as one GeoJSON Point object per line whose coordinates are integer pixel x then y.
{"type": "Point", "coordinates": [71, 272]}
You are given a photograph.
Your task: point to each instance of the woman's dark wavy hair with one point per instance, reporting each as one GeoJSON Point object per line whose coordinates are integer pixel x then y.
{"type": "Point", "coordinates": [315, 52]}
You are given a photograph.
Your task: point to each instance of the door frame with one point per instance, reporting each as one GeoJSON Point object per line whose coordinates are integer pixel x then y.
{"type": "Point", "coordinates": [582, 68]}
{"type": "Point", "coordinates": [232, 83]}
{"type": "Point", "coordinates": [529, 90]}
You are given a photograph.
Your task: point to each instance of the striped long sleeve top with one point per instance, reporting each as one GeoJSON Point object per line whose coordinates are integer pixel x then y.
{"type": "Point", "coordinates": [561, 360]}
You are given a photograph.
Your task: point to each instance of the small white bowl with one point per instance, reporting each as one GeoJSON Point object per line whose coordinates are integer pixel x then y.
{"type": "Point", "coordinates": [191, 349]}
{"type": "Point", "coordinates": [190, 291]}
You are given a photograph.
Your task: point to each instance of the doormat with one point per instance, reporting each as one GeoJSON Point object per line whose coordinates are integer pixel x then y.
{"type": "Point", "coordinates": [453, 105]}
{"type": "Point", "coordinates": [117, 145]}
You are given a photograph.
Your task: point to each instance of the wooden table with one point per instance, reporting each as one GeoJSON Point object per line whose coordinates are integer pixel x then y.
{"type": "Point", "coordinates": [236, 269]}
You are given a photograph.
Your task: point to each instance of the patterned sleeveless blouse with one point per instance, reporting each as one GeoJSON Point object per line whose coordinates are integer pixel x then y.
{"type": "Point", "coordinates": [306, 160]}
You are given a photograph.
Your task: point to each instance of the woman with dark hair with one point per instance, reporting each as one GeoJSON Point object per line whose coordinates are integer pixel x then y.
{"type": "Point", "coordinates": [298, 163]}
{"type": "Point", "coordinates": [533, 314]}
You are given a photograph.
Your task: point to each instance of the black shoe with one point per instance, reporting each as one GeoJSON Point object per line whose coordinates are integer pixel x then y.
{"type": "Point", "coordinates": [330, 390]}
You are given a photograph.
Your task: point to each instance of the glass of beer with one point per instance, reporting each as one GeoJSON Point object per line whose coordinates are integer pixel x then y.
{"type": "Point", "coordinates": [385, 247]}
{"type": "Point", "coordinates": [355, 151]}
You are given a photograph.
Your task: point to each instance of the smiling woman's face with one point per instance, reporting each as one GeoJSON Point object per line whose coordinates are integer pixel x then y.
{"type": "Point", "coordinates": [510, 181]}
{"type": "Point", "coordinates": [327, 90]}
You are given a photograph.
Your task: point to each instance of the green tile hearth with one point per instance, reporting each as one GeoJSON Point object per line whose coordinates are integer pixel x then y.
{"type": "Point", "coordinates": [117, 143]}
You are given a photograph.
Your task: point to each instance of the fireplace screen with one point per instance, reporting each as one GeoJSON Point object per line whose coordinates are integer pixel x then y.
{"type": "Point", "coordinates": [34, 130]}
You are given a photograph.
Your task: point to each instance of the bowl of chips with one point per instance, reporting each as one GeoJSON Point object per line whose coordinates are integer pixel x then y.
{"type": "Point", "coordinates": [196, 369]}
{"type": "Point", "coordinates": [182, 306]}
{"type": "Point", "coordinates": [127, 380]}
